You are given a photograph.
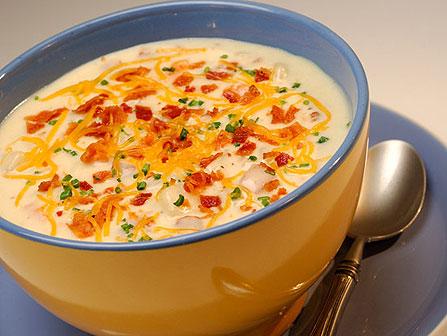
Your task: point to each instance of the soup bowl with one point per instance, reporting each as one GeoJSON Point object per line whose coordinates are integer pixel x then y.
{"type": "Point", "coordinates": [233, 279]}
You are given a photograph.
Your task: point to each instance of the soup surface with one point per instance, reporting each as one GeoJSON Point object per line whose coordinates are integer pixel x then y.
{"type": "Point", "coordinates": [167, 138]}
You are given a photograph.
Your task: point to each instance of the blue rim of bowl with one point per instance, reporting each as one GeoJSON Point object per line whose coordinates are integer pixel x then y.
{"type": "Point", "coordinates": [361, 112]}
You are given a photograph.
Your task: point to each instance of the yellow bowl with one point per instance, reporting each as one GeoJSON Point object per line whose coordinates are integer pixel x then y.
{"type": "Point", "coordinates": [233, 279]}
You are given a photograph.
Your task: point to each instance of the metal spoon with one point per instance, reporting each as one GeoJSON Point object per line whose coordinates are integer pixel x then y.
{"type": "Point", "coordinates": [391, 198]}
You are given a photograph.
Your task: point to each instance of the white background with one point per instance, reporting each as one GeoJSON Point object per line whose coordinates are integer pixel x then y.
{"type": "Point", "coordinates": [402, 44]}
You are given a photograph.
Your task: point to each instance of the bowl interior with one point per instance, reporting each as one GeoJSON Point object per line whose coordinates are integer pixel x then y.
{"type": "Point", "coordinates": [244, 21]}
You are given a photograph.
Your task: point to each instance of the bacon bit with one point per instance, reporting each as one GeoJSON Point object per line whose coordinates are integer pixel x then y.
{"type": "Point", "coordinates": [86, 200]}
{"type": "Point", "coordinates": [149, 139]}
{"type": "Point", "coordinates": [143, 112]}
{"type": "Point", "coordinates": [222, 139]}
{"type": "Point", "coordinates": [197, 181]}
{"type": "Point", "coordinates": [124, 75]}
{"type": "Point", "coordinates": [108, 190]}
{"type": "Point", "coordinates": [85, 186]}
{"type": "Point", "coordinates": [207, 211]}
{"type": "Point", "coordinates": [272, 185]}
{"type": "Point", "coordinates": [135, 152]}
{"type": "Point", "coordinates": [231, 95]}
{"type": "Point", "coordinates": [250, 95]}
{"type": "Point", "coordinates": [196, 65]}
{"type": "Point", "coordinates": [314, 116]}
{"type": "Point", "coordinates": [277, 114]}
{"type": "Point", "coordinates": [262, 74]}
{"type": "Point", "coordinates": [241, 134]}
{"type": "Point", "coordinates": [245, 207]}
{"type": "Point", "coordinates": [217, 175]}
{"type": "Point", "coordinates": [89, 104]}
{"type": "Point", "coordinates": [117, 114]}
{"type": "Point", "coordinates": [96, 151]}
{"type": "Point", "coordinates": [264, 138]}
{"type": "Point", "coordinates": [269, 155]}
{"type": "Point", "coordinates": [101, 176]}
{"type": "Point", "coordinates": [210, 201]}
{"type": "Point", "coordinates": [267, 168]}
{"type": "Point", "coordinates": [246, 149]}
{"type": "Point", "coordinates": [80, 226]}
{"type": "Point", "coordinates": [32, 128]}
{"type": "Point", "coordinates": [283, 158]}
{"type": "Point", "coordinates": [217, 75]}
{"type": "Point", "coordinates": [139, 94]}
{"type": "Point", "coordinates": [208, 88]}
{"type": "Point", "coordinates": [102, 213]}
{"type": "Point", "coordinates": [59, 213]}
{"type": "Point", "coordinates": [126, 108]}
{"type": "Point", "coordinates": [299, 145]}
{"type": "Point", "coordinates": [190, 88]}
{"type": "Point", "coordinates": [45, 116]}
{"type": "Point", "coordinates": [206, 161]}
{"type": "Point", "coordinates": [280, 192]}
{"type": "Point", "coordinates": [140, 199]}
{"type": "Point", "coordinates": [53, 183]}
{"type": "Point", "coordinates": [231, 65]}
{"type": "Point", "coordinates": [97, 130]}
{"type": "Point", "coordinates": [158, 125]}
{"type": "Point", "coordinates": [213, 113]}
{"type": "Point", "coordinates": [71, 127]}
{"type": "Point", "coordinates": [291, 131]}
{"type": "Point", "coordinates": [172, 111]}
{"type": "Point", "coordinates": [184, 79]}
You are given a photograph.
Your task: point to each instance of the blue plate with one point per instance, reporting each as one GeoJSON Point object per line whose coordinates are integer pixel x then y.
{"type": "Point", "coordinates": [402, 289]}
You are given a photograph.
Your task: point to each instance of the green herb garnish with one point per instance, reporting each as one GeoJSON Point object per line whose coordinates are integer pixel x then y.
{"type": "Point", "coordinates": [67, 178]}
{"type": "Point", "coordinates": [157, 176]}
{"type": "Point", "coordinates": [236, 193]}
{"type": "Point", "coordinates": [145, 169]}
{"type": "Point", "coordinates": [75, 183]}
{"type": "Point", "coordinates": [180, 200]}
{"type": "Point", "coordinates": [322, 139]}
{"type": "Point", "coordinates": [196, 103]}
{"type": "Point", "coordinates": [230, 128]}
{"type": "Point", "coordinates": [281, 89]}
{"type": "Point", "coordinates": [66, 193]}
{"type": "Point", "coordinates": [224, 56]}
{"type": "Point", "coordinates": [168, 69]}
{"type": "Point", "coordinates": [183, 100]}
{"type": "Point", "coordinates": [52, 122]}
{"type": "Point", "coordinates": [126, 226]}
{"type": "Point", "coordinates": [214, 125]}
{"type": "Point", "coordinates": [306, 102]}
{"type": "Point", "coordinates": [296, 85]}
{"type": "Point", "coordinates": [265, 200]}
{"type": "Point", "coordinates": [252, 158]}
{"type": "Point", "coordinates": [118, 190]}
{"type": "Point", "coordinates": [141, 185]}
{"type": "Point", "coordinates": [70, 151]}
{"type": "Point", "coordinates": [206, 69]}
{"type": "Point", "coordinates": [183, 134]}
{"type": "Point", "coordinates": [104, 82]}
{"type": "Point", "coordinates": [57, 150]}
{"type": "Point", "coordinates": [303, 165]}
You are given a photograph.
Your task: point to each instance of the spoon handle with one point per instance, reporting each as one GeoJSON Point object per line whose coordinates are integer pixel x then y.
{"type": "Point", "coordinates": [345, 278]}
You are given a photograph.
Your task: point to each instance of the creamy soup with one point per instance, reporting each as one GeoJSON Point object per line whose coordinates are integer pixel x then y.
{"type": "Point", "coordinates": [167, 138]}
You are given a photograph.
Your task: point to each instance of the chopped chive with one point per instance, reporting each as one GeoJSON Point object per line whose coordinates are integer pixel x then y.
{"type": "Point", "coordinates": [157, 176]}
{"type": "Point", "coordinates": [80, 120]}
{"type": "Point", "coordinates": [118, 190]}
{"type": "Point", "coordinates": [180, 200]}
{"type": "Point", "coordinates": [296, 85]}
{"type": "Point", "coordinates": [196, 103]}
{"type": "Point", "coordinates": [75, 183]}
{"type": "Point", "coordinates": [119, 179]}
{"type": "Point", "coordinates": [348, 124]}
{"type": "Point", "coordinates": [282, 101]}
{"type": "Point", "coordinates": [206, 69]}
{"type": "Point", "coordinates": [237, 144]}
{"type": "Point", "coordinates": [145, 169]}
{"type": "Point", "coordinates": [236, 193]}
{"type": "Point", "coordinates": [168, 69]}
{"type": "Point", "coordinates": [124, 131]}
{"type": "Point", "coordinates": [231, 116]}
{"type": "Point", "coordinates": [144, 238]}
{"type": "Point", "coordinates": [224, 56]}
{"type": "Point", "coordinates": [166, 184]}
{"type": "Point", "coordinates": [36, 172]}
{"type": "Point", "coordinates": [104, 82]}
{"type": "Point", "coordinates": [252, 158]}
{"type": "Point", "coordinates": [183, 134]}
{"type": "Point", "coordinates": [86, 193]}
{"type": "Point", "coordinates": [113, 172]}
{"type": "Point", "coordinates": [36, 97]}
{"type": "Point", "coordinates": [302, 165]}
{"type": "Point", "coordinates": [57, 150]}
{"type": "Point", "coordinates": [230, 128]}
{"type": "Point", "coordinates": [281, 89]}
{"type": "Point", "coordinates": [214, 125]}
{"type": "Point", "coordinates": [66, 193]}
{"type": "Point", "coordinates": [306, 102]}
{"type": "Point", "coordinates": [70, 151]}
{"type": "Point", "coordinates": [248, 71]}
{"type": "Point", "coordinates": [316, 133]}
{"type": "Point", "coordinates": [322, 139]}
{"type": "Point", "coordinates": [76, 209]}
{"type": "Point", "coordinates": [265, 200]}
{"type": "Point", "coordinates": [67, 178]}
{"type": "Point", "coordinates": [127, 227]}
{"type": "Point", "coordinates": [52, 122]}
{"type": "Point", "coordinates": [141, 185]}
{"type": "Point", "coordinates": [135, 175]}
{"type": "Point", "coordinates": [183, 100]}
